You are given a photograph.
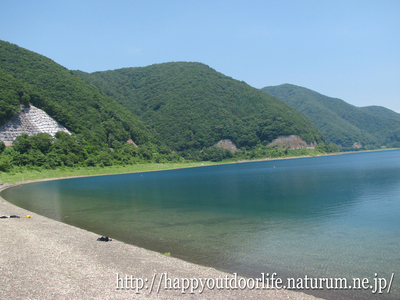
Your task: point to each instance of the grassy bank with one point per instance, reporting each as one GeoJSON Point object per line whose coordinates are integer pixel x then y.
{"type": "Point", "coordinates": [28, 175]}
{"type": "Point", "coordinates": [23, 174]}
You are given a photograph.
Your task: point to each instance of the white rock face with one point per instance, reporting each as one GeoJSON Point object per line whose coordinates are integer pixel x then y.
{"type": "Point", "coordinates": [292, 142]}
{"type": "Point", "coordinates": [32, 121]}
{"type": "Point", "coordinates": [227, 144]}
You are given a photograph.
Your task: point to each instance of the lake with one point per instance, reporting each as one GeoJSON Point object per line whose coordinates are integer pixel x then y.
{"type": "Point", "coordinates": [331, 216]}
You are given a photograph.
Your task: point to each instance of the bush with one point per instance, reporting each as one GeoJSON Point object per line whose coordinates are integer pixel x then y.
{"type": "Point", "coordinates": [2, 146]}
{"type": "Point", "coordinates": [90, 162]}
{"type": "Point", "coordinates": [5, 164]}
{"type": "Point", "coordinates": [104, 158]}
{"type": "Point", "coordinates": [216, 154]}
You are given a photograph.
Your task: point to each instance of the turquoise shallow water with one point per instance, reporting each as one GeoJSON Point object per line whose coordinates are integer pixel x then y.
{"type": "Point", "coordinates": [332, 216]}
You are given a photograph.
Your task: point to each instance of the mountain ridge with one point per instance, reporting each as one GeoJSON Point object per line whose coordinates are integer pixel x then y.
{"type": "Point", "coordinates": [168, 108]}
{"type": "Point", "coordinates": [341, 122]}
{"type": "Point", "coordinates": [190, 105]}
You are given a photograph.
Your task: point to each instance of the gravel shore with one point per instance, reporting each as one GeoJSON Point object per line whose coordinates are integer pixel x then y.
{"type": "Point", "coordinates": [44, 259]}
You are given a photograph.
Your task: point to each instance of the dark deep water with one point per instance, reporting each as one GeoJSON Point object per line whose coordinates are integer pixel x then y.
{"type": "Point", "coordinates": [331, 216]}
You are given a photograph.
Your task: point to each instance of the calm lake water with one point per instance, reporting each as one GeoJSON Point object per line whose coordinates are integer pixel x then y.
{"type": "Point", "coordinates": [331, 216]}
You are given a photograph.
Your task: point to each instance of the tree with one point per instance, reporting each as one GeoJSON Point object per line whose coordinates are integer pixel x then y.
{"type": "Point", "coordinates": [42, 142]}
{"type": "Point", "coordinates": [22, 143]}
{"type": "Point", "coordinates": [2, 146]}
{"type": "Point", "coordinates": [5, 164]}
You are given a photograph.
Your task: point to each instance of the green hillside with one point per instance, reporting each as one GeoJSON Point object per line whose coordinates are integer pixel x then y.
{"type": "Point", "coordinates": [185, 107]}
{"type": "Point", "coordinates": [77, 105]}
{"type": "Point", "coordinates": [12, 93]}
{"type": "Point", "coordinates": [381, 112]}
{"type": "Point", "coordinates": [340, 122]}
{"type": "Point", "coordinates": [192, 106]}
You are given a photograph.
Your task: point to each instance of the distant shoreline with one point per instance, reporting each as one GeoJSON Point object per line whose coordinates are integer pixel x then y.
{"type": "Point", "coordinates": [115, 170]}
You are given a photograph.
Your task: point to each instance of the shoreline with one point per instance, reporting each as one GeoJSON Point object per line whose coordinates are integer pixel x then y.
{"type": "Point", "coordinates": [181, 166]}
{"type": "Point", "coordinates": [56, 260]}
{"type": "Point", "coordinates": [45, 259]}
{"type": "Point", "coordinates": [42, 258]}
{"type": "Point", "coordinates": [178, 166]}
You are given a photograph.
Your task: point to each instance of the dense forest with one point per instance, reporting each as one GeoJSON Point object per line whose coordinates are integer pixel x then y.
{"type": "Point", "coordinates": [99, 124]}
{"type": "Point", "coordinates": [71, 101]}
{"type": "Point", "coordinates": [191, 106]}
{"type": "Point", "coordinates": [64, 150]}
{"type": "Point", "coordinates": [173, 112]}
{"type": "Point", "coordinates": [42, 151]}
{"type": "Point", "coordinates": [12, 93]}
{"type": "Point", "coordinates": [340, 122]}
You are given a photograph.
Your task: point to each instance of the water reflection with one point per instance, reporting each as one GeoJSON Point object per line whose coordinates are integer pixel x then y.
{"type": "Point", "coordinates": [324, 216]}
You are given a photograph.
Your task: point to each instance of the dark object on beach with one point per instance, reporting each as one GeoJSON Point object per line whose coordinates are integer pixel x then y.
{"type": "Point", "coordinates": [104, 239]}
{"type": "Point", "coordinates": [14, 216]}
{"type": "Point", "coordinates": [3, 217]}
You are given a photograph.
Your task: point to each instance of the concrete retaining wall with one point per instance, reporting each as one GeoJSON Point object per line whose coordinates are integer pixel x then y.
{"type": "Point", "coordinates": [32, 121]}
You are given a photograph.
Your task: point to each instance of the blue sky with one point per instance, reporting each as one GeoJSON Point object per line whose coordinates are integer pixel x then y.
{"type": "Point", "coordinates": [345, 49]}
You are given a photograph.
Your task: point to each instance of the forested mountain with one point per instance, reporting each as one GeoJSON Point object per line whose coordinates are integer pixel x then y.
{"type": "Point", "coordinates": [170, 110]}
{"type": "Point", "coordinates": [12, 93]}
{"type": "Point", "coordinates": [340, 122]}
{"type": "Point", "coordinates": [192, 106]}
{"type": "Point", "coordinates": [80, 107]}
{"type": "Point", "coordinates": [381, 112]}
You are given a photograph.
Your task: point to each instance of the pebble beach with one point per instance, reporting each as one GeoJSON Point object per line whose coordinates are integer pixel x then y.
{"type": "Point", "coordinates": [42, 258]}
